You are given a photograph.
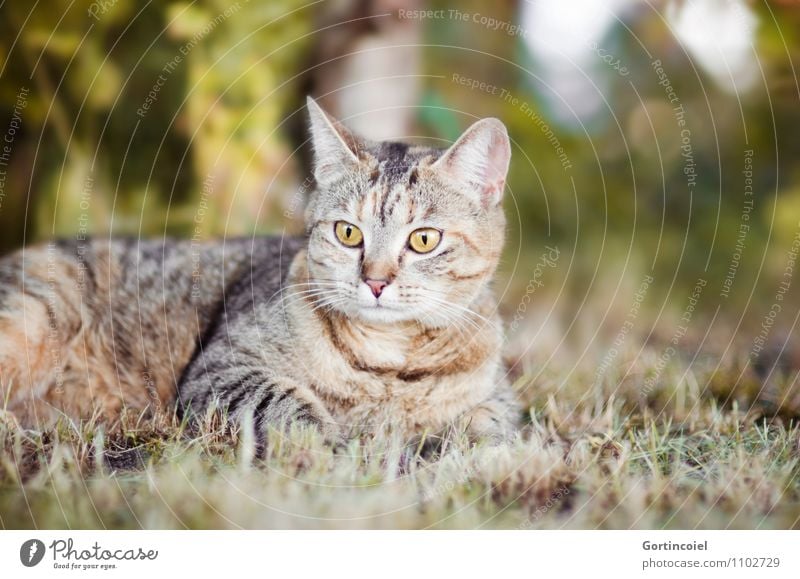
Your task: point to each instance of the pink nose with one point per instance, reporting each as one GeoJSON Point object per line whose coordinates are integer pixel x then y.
{"type": "Point", "coordinates": [376, 285]}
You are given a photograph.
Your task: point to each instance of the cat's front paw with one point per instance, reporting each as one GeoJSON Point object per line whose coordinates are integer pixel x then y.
{"type": "Point", "coordinates": [304, 409]}
{"type": "Point", "coordinates": [331, 432]}
{"type": "Point", "coordinates": [496, 420]}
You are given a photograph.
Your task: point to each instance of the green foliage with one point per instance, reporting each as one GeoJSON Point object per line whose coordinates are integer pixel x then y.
{"type": "Point", "coordinates": [134, 109]}
{"type": "Point", "coordinates": [181, 117]}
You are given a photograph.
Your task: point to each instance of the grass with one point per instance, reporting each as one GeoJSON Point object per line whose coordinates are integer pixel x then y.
{"type": "Point", "coordinates": [687, 446]}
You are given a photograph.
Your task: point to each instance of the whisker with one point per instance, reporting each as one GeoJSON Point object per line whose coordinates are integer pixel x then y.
{"type": "Point", "coordinates": [455, 323]}
{"type": "Point", "coordinates": [297, 296]}
{"type": "Point", "coordinates": [464, 309]}
{"type": "Point", "coordinates": [458, 310]}
{"type": "Point", "coordinates": [457, 320]}
{"type": "Point", "coordinates": [329, 304]}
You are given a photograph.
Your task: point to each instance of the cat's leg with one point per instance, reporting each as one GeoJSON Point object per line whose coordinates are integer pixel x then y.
{"type": "Point", "coordinates": [241, 390]}
{"type": "Point", "coordinates": [279, 402]}
{"type": "Point", "coordinates": [496, 418]}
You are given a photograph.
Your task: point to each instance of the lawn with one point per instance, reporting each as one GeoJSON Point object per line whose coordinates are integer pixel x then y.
{"type": "Point", "coordinates": [687, 444]}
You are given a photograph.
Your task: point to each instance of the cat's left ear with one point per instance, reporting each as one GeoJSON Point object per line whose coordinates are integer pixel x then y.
{"type": "Point", "coordinates": [335, 148]}
{"type": "Point", "coordinates": [479, 160]}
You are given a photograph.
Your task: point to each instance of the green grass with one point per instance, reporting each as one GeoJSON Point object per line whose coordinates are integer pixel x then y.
{"type": "Point", "coordinates": [695, 452]}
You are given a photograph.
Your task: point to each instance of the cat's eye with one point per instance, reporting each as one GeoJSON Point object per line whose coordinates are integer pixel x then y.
{"type": "Point", "coordinates": [348, 234]}
{"type": "Point", "coordinates": [424, 240]}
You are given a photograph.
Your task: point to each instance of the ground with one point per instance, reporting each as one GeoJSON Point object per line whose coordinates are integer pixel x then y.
{"type": "Point", "coordinates": [639, 445]}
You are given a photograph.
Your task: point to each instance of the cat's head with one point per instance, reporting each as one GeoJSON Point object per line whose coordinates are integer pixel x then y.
{"type": "Point", "coordinates": [400, 232]}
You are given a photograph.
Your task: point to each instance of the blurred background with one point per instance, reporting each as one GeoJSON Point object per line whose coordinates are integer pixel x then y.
{"type": "Point", "coordinates": [655, 182]}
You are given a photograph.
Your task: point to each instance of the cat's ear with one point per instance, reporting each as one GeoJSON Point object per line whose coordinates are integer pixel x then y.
{"type": "Point", "coordinates": [479, 160]}
{"type": "Point", "coordinates": [335, 148]}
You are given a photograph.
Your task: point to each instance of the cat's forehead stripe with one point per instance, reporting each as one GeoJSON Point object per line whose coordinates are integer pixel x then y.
{"type": "Point", "coordinates": [394, 161]}
{"type": "Point", "coordinates": [394, 176]}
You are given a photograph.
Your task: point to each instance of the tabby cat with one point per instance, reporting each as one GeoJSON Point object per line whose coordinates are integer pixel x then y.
{"type": "Point", "coordinates": [380, 318]}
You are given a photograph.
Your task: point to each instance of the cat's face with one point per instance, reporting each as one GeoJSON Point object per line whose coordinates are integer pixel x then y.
{"type": "Point", "coordinates": [400, 233]}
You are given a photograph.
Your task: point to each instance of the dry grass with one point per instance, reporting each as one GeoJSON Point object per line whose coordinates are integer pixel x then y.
{"type": "Point", "coordinates": [690, 451]}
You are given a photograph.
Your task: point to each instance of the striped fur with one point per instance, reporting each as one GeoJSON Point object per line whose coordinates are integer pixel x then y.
{"type": "Point", "coordinates": [284, 329]}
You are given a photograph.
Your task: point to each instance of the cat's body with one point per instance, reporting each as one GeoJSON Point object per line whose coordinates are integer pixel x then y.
{"type": "Point", "coordinates": [381, 318]}
{"type": "Point", "coordinates": [92, 326]}
{"type": "Point", "coordinates": [347, 376]}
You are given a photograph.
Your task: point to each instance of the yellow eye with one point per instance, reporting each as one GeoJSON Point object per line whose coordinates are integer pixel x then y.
{"type": "Point", "coordinates": [424, 240]}
{"type": "Point", "coordinates": [348, 234]}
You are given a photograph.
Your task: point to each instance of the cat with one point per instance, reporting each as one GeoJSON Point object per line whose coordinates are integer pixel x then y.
{"type": "Point", "coordinates": [380, 319]}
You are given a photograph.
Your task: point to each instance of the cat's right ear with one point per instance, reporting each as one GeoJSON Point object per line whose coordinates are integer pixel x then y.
{"type": "Point", "coordinates": [478, 161]}
{"type": "Point", "coordinates": [335, 148]}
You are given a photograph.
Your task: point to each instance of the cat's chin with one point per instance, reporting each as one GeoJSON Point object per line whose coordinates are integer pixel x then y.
{"type": "Point", "coordinates": [383, 315]}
